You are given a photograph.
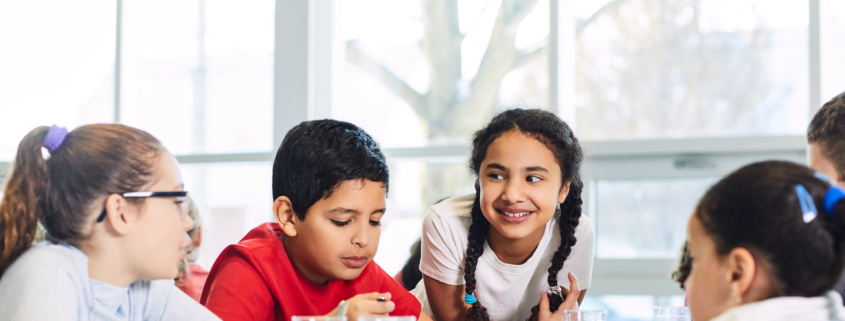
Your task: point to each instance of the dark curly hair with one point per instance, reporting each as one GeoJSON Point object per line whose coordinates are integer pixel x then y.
{"type": "Point", "coordinates": [547, 128]}
{"type": "Point", "coordinates": [684, 268]}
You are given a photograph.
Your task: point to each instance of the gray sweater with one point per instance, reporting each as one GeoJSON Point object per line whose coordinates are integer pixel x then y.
{"type": "Point", "coordinates": [50, 282]}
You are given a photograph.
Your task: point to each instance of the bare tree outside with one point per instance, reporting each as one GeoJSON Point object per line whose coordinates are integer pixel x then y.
{"type": "Point", "coordinates": [645, 69]}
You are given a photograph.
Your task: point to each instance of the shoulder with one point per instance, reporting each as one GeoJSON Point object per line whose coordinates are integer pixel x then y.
{"type": "Point", "coordinates": [585, 228]}
{"type": "Point", "coordinates": [458, 206]}
{"type": "Point", "coordinates": [46, 278]}
{"type": "Point", "coordinates": [450, 214]}
{"type": "Point", "coordinates": [46, 261]}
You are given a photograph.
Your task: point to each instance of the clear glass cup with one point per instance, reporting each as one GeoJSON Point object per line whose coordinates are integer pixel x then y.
{"type": "Point", "coordinates": [399, 318]}
{"type": "Point", "coordinates": [317, 318]}
{"type": "Point", "coordinates": [584, 315]}
{"type": "Point", "coordinates": [672, 314]}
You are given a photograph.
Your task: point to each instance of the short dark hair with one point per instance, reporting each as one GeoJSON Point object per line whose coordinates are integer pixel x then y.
{"type": "Point", "coordinates": [317, 156]}
{"type": "Point", "coordinates": [828, 129]}
{"type": "Point", "coordinates": [757, 208]}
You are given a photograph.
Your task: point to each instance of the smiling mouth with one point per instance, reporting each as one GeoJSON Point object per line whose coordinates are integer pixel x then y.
{"type": "Point", "coordinates": [516, 214]}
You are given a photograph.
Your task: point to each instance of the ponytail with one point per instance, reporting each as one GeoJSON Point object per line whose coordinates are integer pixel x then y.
{"type": "Point", "coordinates": [25, 186]}
{"type": "Point", "coordinates": [91, 162]}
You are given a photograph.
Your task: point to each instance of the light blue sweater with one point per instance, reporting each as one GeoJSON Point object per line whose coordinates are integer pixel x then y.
{"type": "Point", "coordinates": [50, 282]}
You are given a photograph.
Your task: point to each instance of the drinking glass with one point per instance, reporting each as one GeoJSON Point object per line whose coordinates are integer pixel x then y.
{"type": "Point", "coordinates": [402, 318]}
{"type": "Point", "coordinates": [317, 318]}
{"type": "Point", "coordinates": [672, 314]}
{"type": "Point", "coordinates": [584, 315]}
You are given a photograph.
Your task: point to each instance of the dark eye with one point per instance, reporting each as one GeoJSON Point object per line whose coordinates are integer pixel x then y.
{"type": "Point", "coordinates": [533, 179]}
{"type": "Point", "coordinates": [339, 223]}
{"type": "Point", "coordinates": [375, 223]}
{"type": "Point", "coordinates": [496, 176]}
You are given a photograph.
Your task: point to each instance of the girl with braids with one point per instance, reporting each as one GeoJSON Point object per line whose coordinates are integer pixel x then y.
{"type": "Point", "coordinates": [493, 254]}
{"type": "Point", "coordinates": [109, 198]}
{"type": "Point", "coordinates": [767, 242]}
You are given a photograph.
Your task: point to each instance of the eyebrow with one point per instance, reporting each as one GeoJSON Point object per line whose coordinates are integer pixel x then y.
{"type": "Point", "coordinates": [527, 169]}
{"type": "Point", "coordinates": [496, 166]}
{"type": "Point", "coordinates": [536, 169]}
{"type": "Point", "coordinates": [343, 210]}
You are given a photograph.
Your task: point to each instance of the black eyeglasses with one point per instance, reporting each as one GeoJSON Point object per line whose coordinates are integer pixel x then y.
{"type": "Point", "coordinates": [144, 195]}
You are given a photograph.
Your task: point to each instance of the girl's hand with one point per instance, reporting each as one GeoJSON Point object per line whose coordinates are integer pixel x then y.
{"type": "Point", "coordinates": [571, 301]}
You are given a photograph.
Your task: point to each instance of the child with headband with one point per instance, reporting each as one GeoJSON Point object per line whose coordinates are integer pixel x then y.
{"type": "Point", "coordinates": [110, 200]}
{"type": "Point", "coordinates": [767, 242]}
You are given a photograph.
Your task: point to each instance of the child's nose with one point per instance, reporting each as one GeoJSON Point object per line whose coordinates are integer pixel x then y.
{"type": "Point", "coordinates": [187, 223]}
{"type": "Point", "coordinates": [362, 235]}
{"type": "Point", "coordinates": [513, 191]}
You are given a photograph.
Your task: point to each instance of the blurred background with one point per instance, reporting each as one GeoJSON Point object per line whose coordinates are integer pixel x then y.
{"type": "Point", "coordinates": [666, 96]}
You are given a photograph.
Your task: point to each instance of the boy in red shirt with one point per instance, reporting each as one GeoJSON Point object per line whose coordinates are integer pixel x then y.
{"type": "Point", "coordinates": [329, 187]}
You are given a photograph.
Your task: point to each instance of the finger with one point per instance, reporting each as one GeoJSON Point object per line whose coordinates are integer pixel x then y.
{"type": "Point", "coordinates": [573, 285]}
{"type": "Point", "coordinates": [574, 293]}
{"type": "Point", "coordinates": [370, 296]}
{"type": "Point", "coordinates": [544, 302]}
{"type": "Point", "coordinates": [377, 307]}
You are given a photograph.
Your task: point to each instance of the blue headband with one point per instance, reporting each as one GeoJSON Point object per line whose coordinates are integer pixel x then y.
{"type": "Point", "coordinates": [834, 195]}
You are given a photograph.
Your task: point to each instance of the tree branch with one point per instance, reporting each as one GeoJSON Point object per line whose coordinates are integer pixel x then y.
{"type": "Point", "coordinates": [397, 85]}
{"type": "Point", "coordinates": [601, 11]}
{"type": "Point", "coordinates": [532, 53]}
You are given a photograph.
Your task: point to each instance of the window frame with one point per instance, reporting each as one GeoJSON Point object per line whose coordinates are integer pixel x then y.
{"type": "Point", "coordinates": [303, 63]}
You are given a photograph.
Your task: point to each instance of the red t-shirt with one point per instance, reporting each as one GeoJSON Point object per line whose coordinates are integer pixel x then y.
{"type": "Point", "coordinates": [255, 280]}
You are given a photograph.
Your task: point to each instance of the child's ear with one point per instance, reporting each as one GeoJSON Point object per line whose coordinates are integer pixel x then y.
{"type": "Point", "coordinates": [119, 215]}
{"type": "Point", "coordinates": [284, 215]}
{"type": "Point", "coordinates": [741, 271]}
{"type": "Point", "coordinates": [197, 239]}
{"type": "Point", "coordinates": [564, 192]}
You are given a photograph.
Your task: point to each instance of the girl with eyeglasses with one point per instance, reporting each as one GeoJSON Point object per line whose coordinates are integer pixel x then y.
{"type": "Point", "coordinates": [109, 199]}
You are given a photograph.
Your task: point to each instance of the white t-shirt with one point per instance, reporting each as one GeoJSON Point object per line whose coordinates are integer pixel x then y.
{"type": "Point", "coordinates": [508, 291]}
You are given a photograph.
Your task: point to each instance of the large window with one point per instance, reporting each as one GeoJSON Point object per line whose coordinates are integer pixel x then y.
{"type": "Point", "coordinates": [56, 66]}
{"type": "Point", "coordinates": [666, 95]}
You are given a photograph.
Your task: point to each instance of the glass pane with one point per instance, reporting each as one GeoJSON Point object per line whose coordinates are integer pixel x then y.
{"type": "Point", "coordinates": [832, 47]}
{"type": "Point", "coordinates": [441, 70]}
{"type": "Point", "coordinates": [627, 208]}
{"type": "Point", "coordinates": [415, 185]}
{"type": "Point", "coordinates": [199, 74]}
{"type": "Point", "coordinates": [56, 66]}
{"type": "Point", "coordinates": [691, 68]}
{"type": "Point", "coordinates": [629, 307]}
{"type": "Point", "coordinates": [232, 199]}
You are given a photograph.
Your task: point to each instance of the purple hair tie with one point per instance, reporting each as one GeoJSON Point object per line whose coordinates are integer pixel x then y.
{"type": "Point", "coordinates": [55, 137]}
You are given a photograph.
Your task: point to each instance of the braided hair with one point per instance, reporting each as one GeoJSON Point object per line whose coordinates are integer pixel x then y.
{"type": "Point", "coordinates": [550, 130]}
